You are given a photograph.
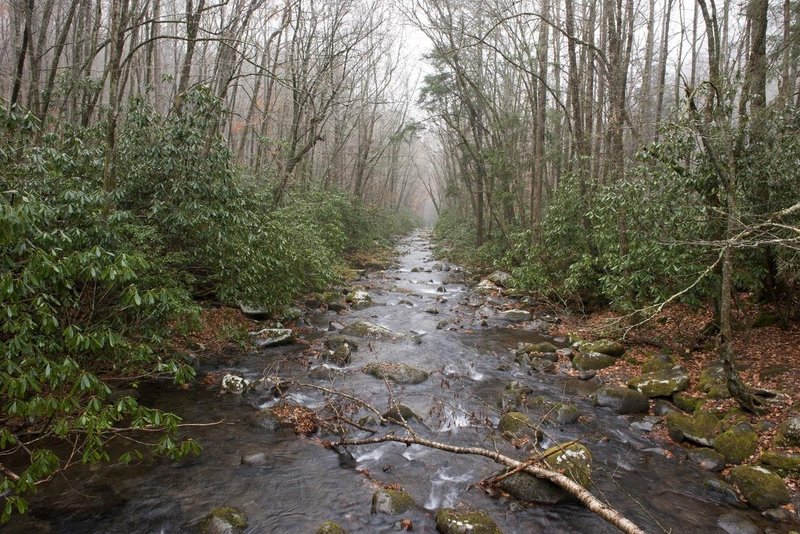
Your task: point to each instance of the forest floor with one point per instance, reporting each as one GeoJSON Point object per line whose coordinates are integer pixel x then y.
{"type": "Point", "coordinates": [768, 357]}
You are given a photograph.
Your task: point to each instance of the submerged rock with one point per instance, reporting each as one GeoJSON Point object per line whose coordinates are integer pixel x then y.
{"type": "Point", "coordinates": [400, 413]}
{"type": "Point", "coordinates": [517, 425]}
{"type": "Point", "coordinates": [453, 521]}
{"type": "Point", "coordinates": [621, 400]}
{"type": "Point", "coordinates": [762, 488]}
{"type": "Point", "coordinates": [661, 383]}
{"type": "Point", "coordinates": [399, 373]}
{"type": "Point", "coordinates": [223, 520]}
{"type": "Point", "coordinates": [340, 356]}
{"type": "Point", "coordinates": [334, 342]}
{"type": "Point", "coordinates": [389, 501]}
{"type": "Point", "coordinates": [370, 331]}
{"type": "Point", "coordinates": [264, 419]}
{"type": "Point", "coordinates": [272, 337]}
{"type": "Point", "coordinates": [330, 527]}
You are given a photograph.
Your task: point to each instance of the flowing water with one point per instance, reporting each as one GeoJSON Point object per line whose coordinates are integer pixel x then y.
{"type": "Point", "coordinates": [304, 484]}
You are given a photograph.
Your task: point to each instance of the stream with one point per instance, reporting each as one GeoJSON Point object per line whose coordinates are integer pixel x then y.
{"type": "Point", "coordinates": [303, 484]}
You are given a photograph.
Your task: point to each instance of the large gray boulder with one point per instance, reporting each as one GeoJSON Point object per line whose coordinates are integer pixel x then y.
{"type": "Point", "coordinates": [370, 331]}
{"type": "Point", "coordinates": [661, 383]}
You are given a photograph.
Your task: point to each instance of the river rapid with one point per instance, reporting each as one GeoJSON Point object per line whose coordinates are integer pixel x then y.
{"type": "Point", "coordinates": [302, 484]}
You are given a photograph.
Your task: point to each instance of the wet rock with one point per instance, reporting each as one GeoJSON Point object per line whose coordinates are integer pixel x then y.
{"type": "Point", "coordinates": [400, 413]}
{"type": "Point", "coordinates": [737, 444]}
{"type": "Point", "coordinates": [789, 432]}
{"type": "Point", "coordinates": [233, 384]}
{"type": "Point", "coordinates": [370, 331]}
{"type": "Point", "coordinates": [291, 313]}
{"type": "Point", "coordinates": [389, 501]}
{"type": "Point", "coordinates": [330, 527]}
{"type": "Point", "coordinates": [264, 419]}
{"type": "Point", "coordinates": [255, 311]}
{"type": "Point", "coordinates": [644, 426]}
{"type": "Point", "coordinates": [515, 315]}
{"type": "Point", "coordinates": [542, 365]}
{"type": "Point", "coordinates": [359, 299]}
{"type": "Point", "coordinates": [517, 425]}
{"type": "Point", "coordinates": [778, 515]}
{"type": "Point", "coordinates": [786, 464]}
{"type": "Point", "coordinates": [223, 520]}
{"type": "Point", "coordinates": [333, 326]}
{"type": "Point", "coordinates": [500, 278]}
{"type": "Point", "coordinates": [432, 311]}
{"type": "Point", "coordinates": [659, 362]}
{"type": "Point", "coordinates": [257, 458]}
{"type": "Point", "coordinates": [530, 348]}
{"type": "Point", "coordinates": [566, 414]}
{"type": "Point", "coordinates": [272, 337]}
{"type": "Point", "coordinates": [713, 383]}
{"type": "Point", "coordinates": [453, 521]}
{"type": "Point", "coordinates": [661, 383]}
{"type": "Point", "coordinates": [334, 342]}
{"type": "Point", "coordinates": [621, 400]}
{"type": "Point", "coordinates": [700, 428]}
{"type": "Point", "coordinates": [592, 361]}
{"type": "Point", "coordinates": [762, 488]}
{"type": "Point", "coordinates": [341, 356]}
{"type": "Point", "coordinates": [574, 460]}
{"type": "Point", "coordinates": [514, 395]}
{"type": "Point", "coordinates": [707, 459]}
{"type": "Point", "coordinates": [416, 270]}
{"type": "Point", "coordinates": [399, 373]}
{"type": "Point", "coordinates": [323, 372]}
{"type": "Point", "coordinates": [441, 325]}
{"type": "Point", "coordinates": [587, 375]}
{"type": "Point", "coordinates": [441, 289]}
{"type": "Point", "coordinates": [603, 346]}
{"type": "Point", "coordinates": [737, 524]}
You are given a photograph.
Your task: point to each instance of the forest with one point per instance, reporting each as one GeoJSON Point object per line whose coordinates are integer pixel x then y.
{"type": "Point", "coordinates": [163, 158]}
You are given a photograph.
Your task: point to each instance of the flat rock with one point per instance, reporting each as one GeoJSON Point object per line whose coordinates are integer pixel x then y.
{"type": "Point", "coordinates": [370, 331]}
{"type": "Point", "coordinates": [661, 383]}
{"type": "Point", "coordinates": [737, 524]}
{"type": "Point", "coordinates": [272, 337]}
{"type": "Point", "coordinates": [700, 428]}
{"type": "Point", "coordinates": [515, 316]}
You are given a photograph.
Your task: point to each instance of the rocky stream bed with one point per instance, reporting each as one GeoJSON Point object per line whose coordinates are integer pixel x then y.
{"type": "Point", "coordinates": [462, 365]}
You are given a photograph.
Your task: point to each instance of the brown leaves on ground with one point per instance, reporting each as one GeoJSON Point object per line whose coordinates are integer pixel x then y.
{"type": "Point", "coordinates": [767, 357]}
{"type": "Point", "coordinates": [303, 420]}
{"type": "Point", "coordinates": [218, 329]}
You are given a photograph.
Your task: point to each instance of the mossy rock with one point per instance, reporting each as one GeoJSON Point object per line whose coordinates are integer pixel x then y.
{"type": "Point", "coordinates": [390, 501]}
{"type": "Point", "coordinates": [789, 432]}
{"type": "Point", "coordinates": [452, 521]}
{"type": "Point", "coordinates": [516, 424]}
{"type": "Point", "coordinates": [223, 519]}
{"type": "Point", "coordinates": [574, 460]}
{"type": "Point", "coordinates": [399, 413]}
{"type": "Point", "coordinates": [592, 361]}
{"type": "Point", "coordinates": [786, 464]}
{"type": "Point", "coordinates": [604, 346]}
{"type": "Point", "coordinates": [700, 428]}
{"type": "Point", "coordinates": [661, 383]}
{"type": "Point", "coordinates": [762, 488]}
{"type": "Point", "coordinates": [707, 459]}
{"type": "Point", "coordinates": [659, 362]}
{"type": "Point", "coordinates": [399, 373]}
{"type": "Point", "coordinates": [334, 342]}
{"type": "Point", "coordinates": [737, 444]}
{"type": "Point", "coordinates": [514, 395]}
{"type": "Point", "coordinates": [530, 348]}
{"type": "Point", "coordinates": [528, 488]}
{"type": "Point", "coordinates": [370, 331]}
{"type": "Point", "coordinates": [713, 383]}
{"type": "Point", "coordinates": [621, 400]}
{"type": "Point", "coordinates": [330, 527]}
{"type": "Point", "coordinates": [565, 414]}
{"type": "Point", "coordinates": [686, 402]}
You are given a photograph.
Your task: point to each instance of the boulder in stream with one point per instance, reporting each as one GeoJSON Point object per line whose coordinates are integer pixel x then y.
{"type": "Point", "coordinates": [370, 331]}
{"type": "Point", "coordinates": [515, 425]}
{"type": "Point", "coordinates": [399, 373]}
{"type": "Point", "coordinates": [264, 419]}
{"type": "Point", "coordinates": [272, 337]}
{"type": "Point", "coordinates": [515, 316]}
{"type": "Point", "coordinates": [621, 400]}
{"type": "Point", "coordinates": [661, 383]}
{"type": "Point", "coordinates": [340, 356]}
{"type": "Point", "coordinates": [359, 299]}
{"type": "Point", "coordinates": [592, 361]}
{"type": "Point", "coordinates": [762, 488]}
{"type": "Point", "coordinates": [456, 521]}
{"type": "Point", "coordinates": [233, 384]}
{"type": "Point", "coordinates": [223, 520]}
{"type": "Point", "coordinates": [500, 278]}
{"type": "Point", "coordinates": [390, 501]}
{"type": "Point", "coordinates": [400, 413]}
{"type": "Point", "coordinates": [572, 459]}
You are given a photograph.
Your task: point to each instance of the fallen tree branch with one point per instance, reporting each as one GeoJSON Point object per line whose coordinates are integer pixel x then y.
{"type": "Point", "coordinates": [591, 502]}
